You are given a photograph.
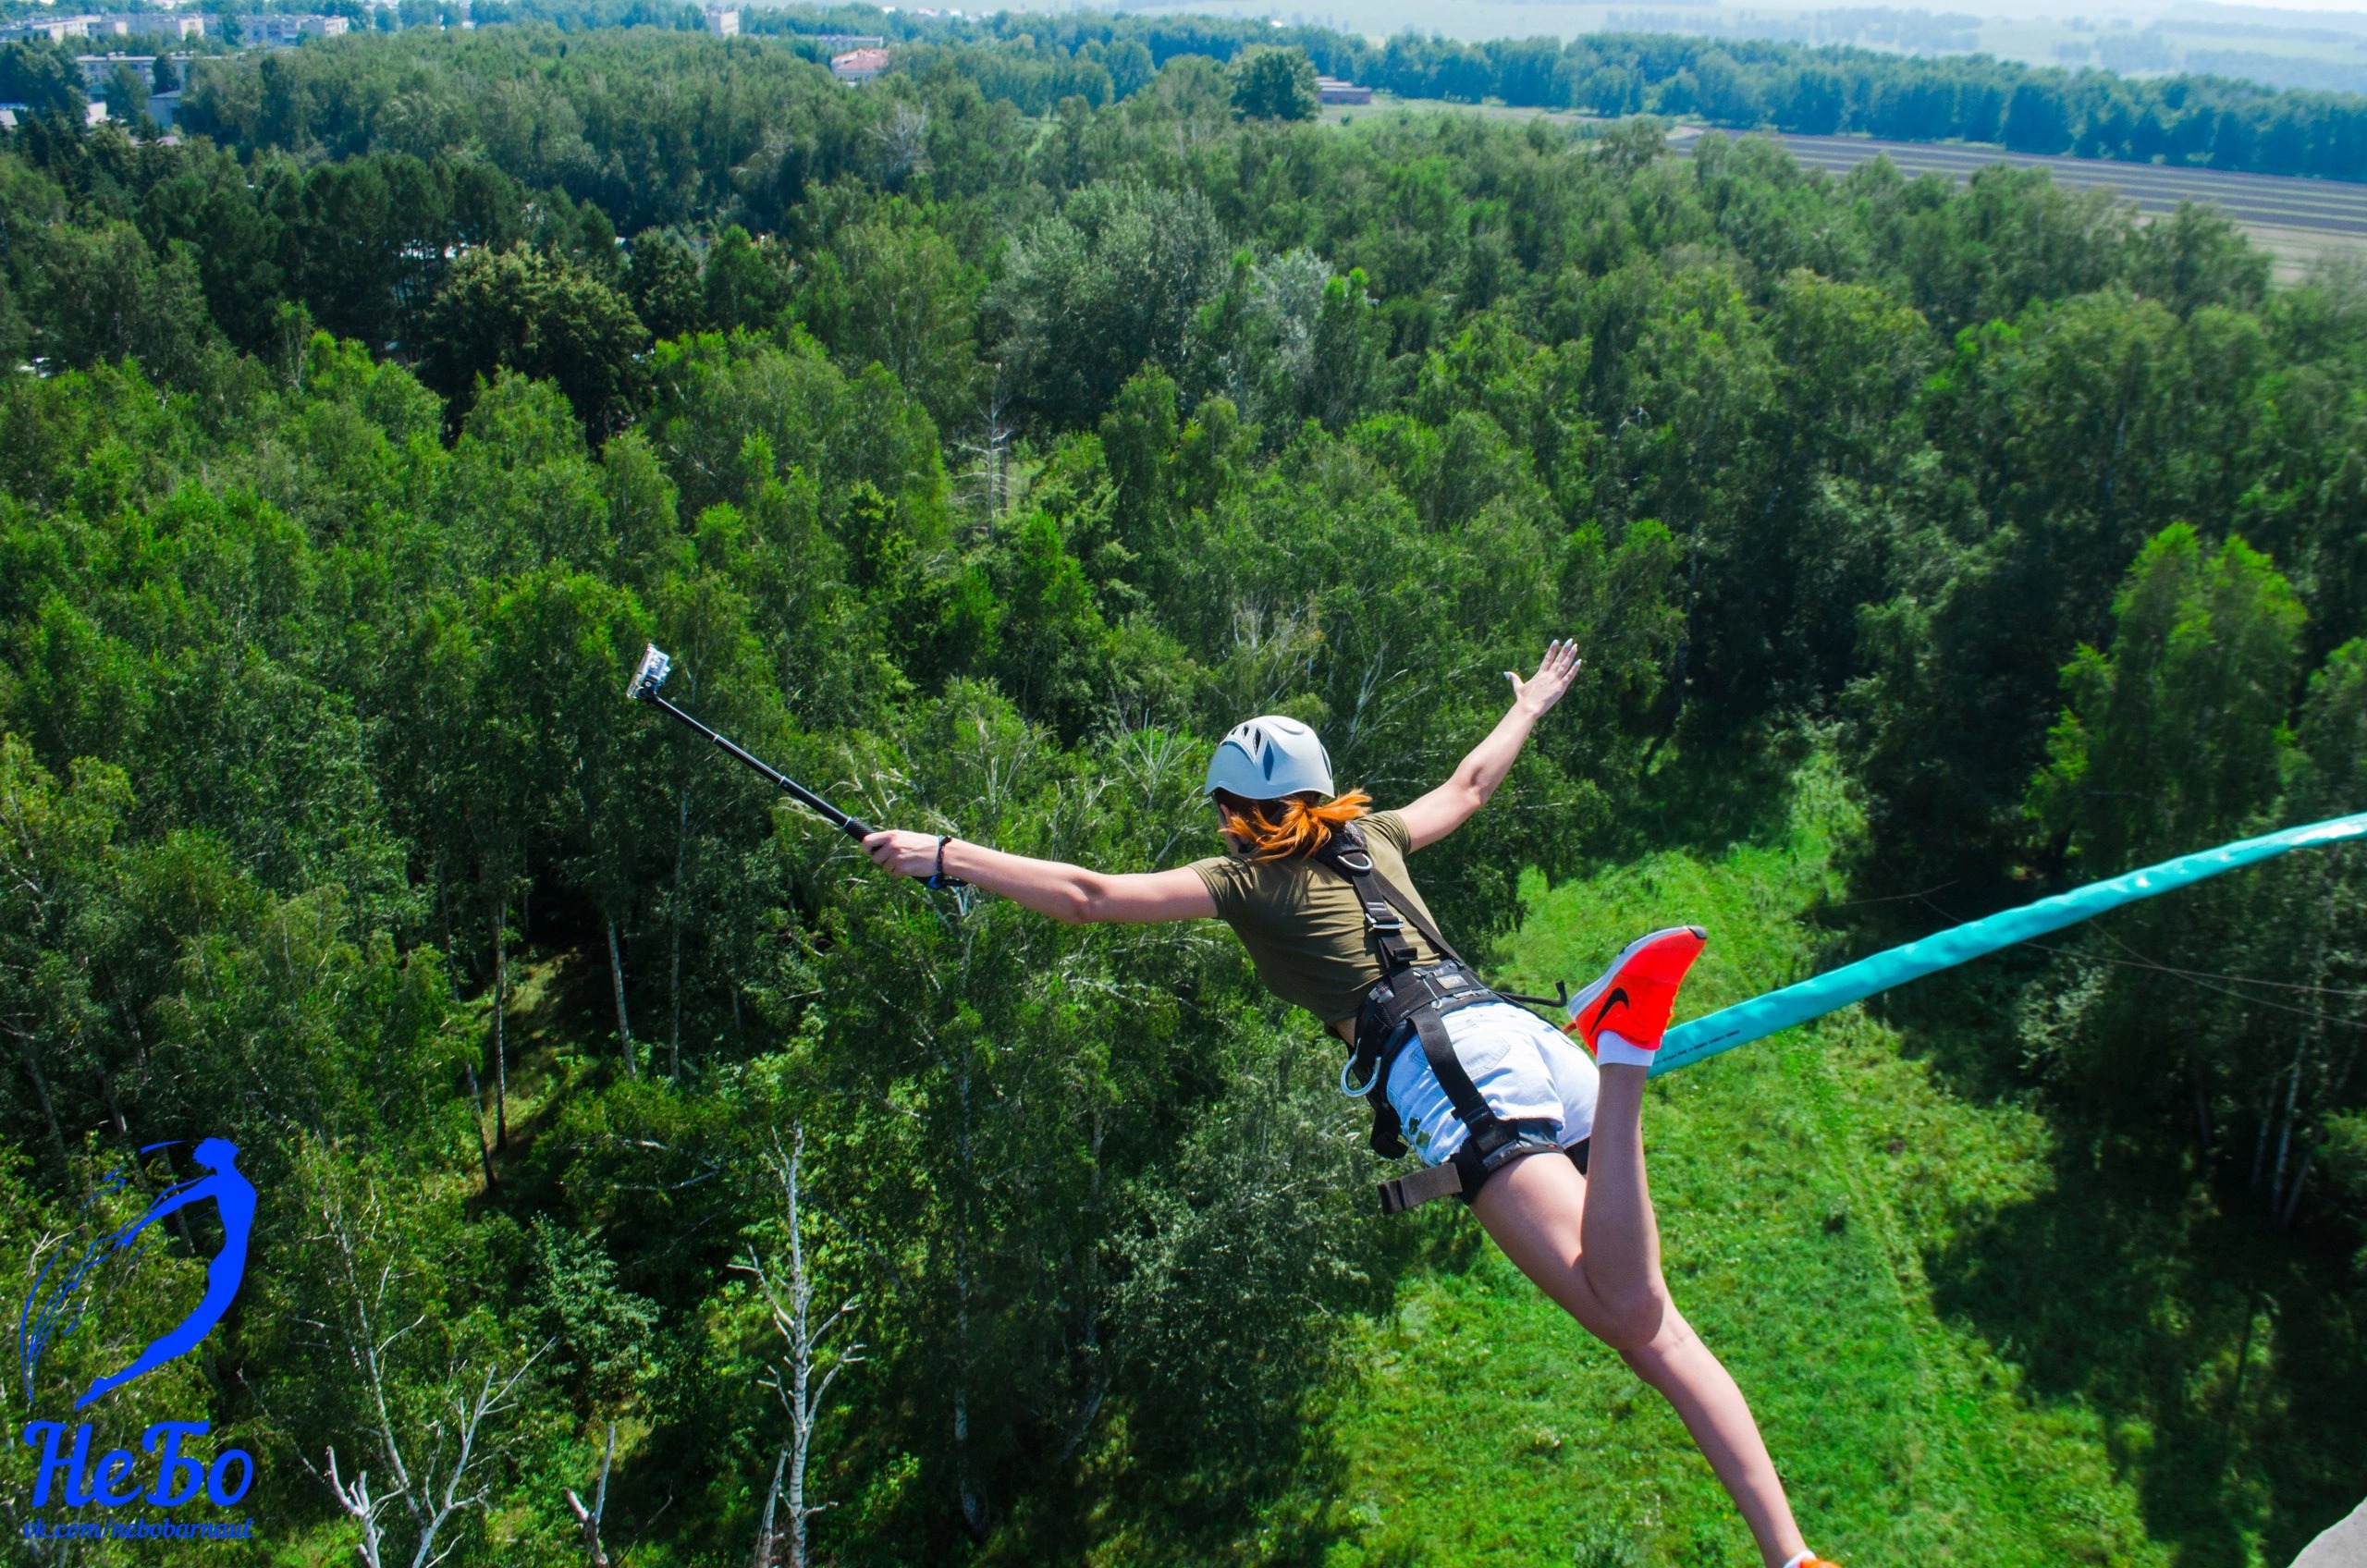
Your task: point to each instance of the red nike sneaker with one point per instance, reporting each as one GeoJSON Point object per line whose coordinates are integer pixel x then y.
{"type": "Point", "coordinates": [1636, 995]}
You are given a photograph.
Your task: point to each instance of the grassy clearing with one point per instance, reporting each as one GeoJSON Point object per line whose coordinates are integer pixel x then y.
{"type": "Point", "coordinates": [1801, 1182]}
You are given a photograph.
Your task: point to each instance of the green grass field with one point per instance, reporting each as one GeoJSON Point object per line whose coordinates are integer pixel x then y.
{"type": "Point", "coordinates": [1802, 1184]}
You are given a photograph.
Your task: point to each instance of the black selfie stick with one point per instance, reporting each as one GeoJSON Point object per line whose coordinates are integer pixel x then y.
{"type": "Point", "coordinates": [656, 666]}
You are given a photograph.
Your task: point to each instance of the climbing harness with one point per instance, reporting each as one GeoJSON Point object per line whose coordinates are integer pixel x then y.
{"type": "Point", "coordinates": [1409, 1005]}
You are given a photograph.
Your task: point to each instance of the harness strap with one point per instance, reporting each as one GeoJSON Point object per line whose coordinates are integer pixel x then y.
{"type": "Point", "coordinates": [1382, 1033]}
{"type": "Point", "coordinates": [1450, 1180]}
{"type": "Point", "coordinates": [1438, 1046]}
{"type": "Point", "coordinates": [1409, 994]}
{"type": "Point", "coordinates": [1401, 1192]}
{"type": "Point", "coordinates": [1383, 901]}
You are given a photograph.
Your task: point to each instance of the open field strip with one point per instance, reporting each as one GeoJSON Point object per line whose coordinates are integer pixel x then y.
{"type": "Point", "coordinates": [2298, 221]}
{"type": "Point", "coordinates": [2155, 188]}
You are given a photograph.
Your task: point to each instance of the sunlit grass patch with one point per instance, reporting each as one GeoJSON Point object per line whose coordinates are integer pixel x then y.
{"type": "Point", "coordinates": [1801, 1182]}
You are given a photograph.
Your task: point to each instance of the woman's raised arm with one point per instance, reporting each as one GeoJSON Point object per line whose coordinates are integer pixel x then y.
{"type": "Point", "coordinates": [1450, 805]}
{"type": "Point", "coordinates": [1067, 893]}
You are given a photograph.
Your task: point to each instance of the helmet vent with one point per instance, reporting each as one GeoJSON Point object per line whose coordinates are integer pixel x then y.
{"type": "Point", "coordinates": [1267, 757]}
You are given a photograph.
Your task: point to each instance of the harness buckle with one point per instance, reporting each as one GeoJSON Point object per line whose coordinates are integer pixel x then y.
{"type": "Point", "coordinates": [1379, 916]}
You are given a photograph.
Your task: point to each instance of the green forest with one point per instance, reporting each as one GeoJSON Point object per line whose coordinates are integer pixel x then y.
{"type": "Point", "coordinates": [1037, 61]}
{"type": "Point", "coordinates": [621, 1135]}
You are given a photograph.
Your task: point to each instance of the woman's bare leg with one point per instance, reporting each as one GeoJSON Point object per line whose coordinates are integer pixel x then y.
{"type": "Point", "coordinates": [1622, 1255]}
{"type": "Point", "coordinates": [1593, 1247]}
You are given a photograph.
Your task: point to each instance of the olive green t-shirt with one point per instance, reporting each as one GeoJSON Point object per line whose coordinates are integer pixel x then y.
{"type": "Point", "coordinates": [1301, 923]}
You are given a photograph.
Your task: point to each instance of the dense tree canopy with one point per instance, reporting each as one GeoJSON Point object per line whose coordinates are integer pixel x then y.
{"type": "Point", "coordinates": [979, 470]}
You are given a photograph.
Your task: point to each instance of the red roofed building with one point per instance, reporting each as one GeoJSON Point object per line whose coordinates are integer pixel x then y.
{"type": "Point", "coordinates": [859, 65]}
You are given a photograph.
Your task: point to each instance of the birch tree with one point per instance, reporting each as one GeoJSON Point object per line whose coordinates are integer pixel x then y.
{"type": "Point", "coordinates": [806, 1364]}
{"type": "Point", "coordinates": [413, 1388]}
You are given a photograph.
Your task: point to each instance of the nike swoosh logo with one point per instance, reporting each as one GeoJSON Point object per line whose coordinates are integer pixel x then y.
{"type": "Point", "coordinates": [1618, 998]}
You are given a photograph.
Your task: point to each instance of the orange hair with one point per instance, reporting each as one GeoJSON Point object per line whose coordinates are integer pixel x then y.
{"type": "Point", "coordinates": [1295, 825]}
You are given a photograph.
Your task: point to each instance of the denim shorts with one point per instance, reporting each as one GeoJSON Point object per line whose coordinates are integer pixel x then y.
{"type": "Point", "coordinates": [1525, 1069]}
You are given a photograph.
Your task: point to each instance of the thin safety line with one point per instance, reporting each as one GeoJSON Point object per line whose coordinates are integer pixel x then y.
{"type": "Point", "coordinates": [2142, 960]}
{"type": "Point", "coordinates": [2195, 978]}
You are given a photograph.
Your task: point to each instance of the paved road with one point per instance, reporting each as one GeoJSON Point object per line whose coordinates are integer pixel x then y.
{"type": "Point", "coordinates": [2263, 200]}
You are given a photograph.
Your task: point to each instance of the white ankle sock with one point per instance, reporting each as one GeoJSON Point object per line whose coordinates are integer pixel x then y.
{"type": "Point", "coordinates": [1613, 1050]}
{"type": "Point", "coordinates": [1804, 1557]}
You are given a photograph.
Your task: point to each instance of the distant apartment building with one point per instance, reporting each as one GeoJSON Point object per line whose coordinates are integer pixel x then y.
{"type": "Point", "coordinates": [859, 65]}
{"type": "Point", "coordinates": [57, 29]}
{"type": "Point", "coordinates": [124, 24]}
{"type": "Point", "coordinates": [99, 69]}
{"type": "Point", "coordinates": [285, 32]}
{"type": "Point", "coordinates": [150, 24]}
{"type": "Point", "coordinates": [1331, 90]}
{"type": "Point", "coordinates": [723, 23]}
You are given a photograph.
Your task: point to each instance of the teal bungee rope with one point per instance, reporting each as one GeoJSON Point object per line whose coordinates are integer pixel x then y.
{"type": "Point", "coordinates": [1738, 1025]}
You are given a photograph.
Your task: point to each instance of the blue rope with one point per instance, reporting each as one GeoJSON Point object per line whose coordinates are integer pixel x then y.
{"type": "Point", "coordinates": [1738, 1025]}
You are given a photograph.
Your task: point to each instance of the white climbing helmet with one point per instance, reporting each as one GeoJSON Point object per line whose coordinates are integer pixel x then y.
{"type": "Point", "coordinates": [1268, 758]}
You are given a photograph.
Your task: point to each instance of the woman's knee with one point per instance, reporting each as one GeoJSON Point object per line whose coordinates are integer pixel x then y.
{"type": "Point", "coordinates": [1650, 1355]}
{"type": "Point", "coordinates": [1633, 1322]}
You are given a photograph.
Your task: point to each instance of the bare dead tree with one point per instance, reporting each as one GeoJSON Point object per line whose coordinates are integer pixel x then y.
{"type": "Point", "coordinates": [988, 477]}
{"type": "Point", "coordinates": [500, 1026]}
{"type": "Point", "coordinates": [587, 1520]}
{"type": "Point", "coordinates": [436, 1467]}
{"type": "Point", "coordinates": [616, 978]}
{"type": "Point", "coordinates": [900, 140]}
{"type": "Point", "coordinates": [767, 1553]}
{"type": "Point", "coordinates": [802, 1378]}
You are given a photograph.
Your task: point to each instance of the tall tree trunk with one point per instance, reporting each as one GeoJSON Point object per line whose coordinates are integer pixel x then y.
{"type": "Point", "coordinates": [443, 902]}
{"type": "Point", "coordinates": [2284, 1137]}
{"type": "Point", "coordinates": [1096, 1385]}
{"type": "Point", "coordinates": [41, 1093]}
{"type": "Point", "coordinates": [476, 1115]}
{"type": "Point", "coordinates": [2267, 1120]}
{"type": "Point", "coordinates": [587, 1520]}
{"type": "Point", "coordinates": [2201, 1102]}
{"type": "Point", "coordinates": [500, 1027]}
{"type": "Point", "coordinates": [2309, 1149]}
{"type": "Point", "coordinates": [767, 1554]}
{"type": "Point", "coordinates": [974, 1507]}
{"type": "Point", "coordinates": [624, 1025]}
{"type": "Point", "coordinates": [674, 908]}
{"type": "Point", "coordinates": [179, 1216]}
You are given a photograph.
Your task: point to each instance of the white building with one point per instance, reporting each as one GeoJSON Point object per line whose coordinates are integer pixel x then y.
{"type": "Point", "coordinates": [283, 32]}
{"type": "Point", "coordinates": [149, 24]}
{"type": "Point", "coordinates": [723, 23]}
{"type": "Point", "coordinates": [57, 30]}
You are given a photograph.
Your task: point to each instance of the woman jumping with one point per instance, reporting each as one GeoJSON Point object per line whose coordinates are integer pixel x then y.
{"type": "Point", "coordinates": [1318, 893]}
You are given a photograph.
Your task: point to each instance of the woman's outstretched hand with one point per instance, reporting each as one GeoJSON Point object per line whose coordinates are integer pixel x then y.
{"type": "Point", "coordinates": [1555, 674]}
{"type": "Point", "coordinates": [909, 854]}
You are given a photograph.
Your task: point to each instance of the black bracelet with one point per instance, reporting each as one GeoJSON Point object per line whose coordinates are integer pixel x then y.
{"type": "Point", "coordinates": [938, 879]}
